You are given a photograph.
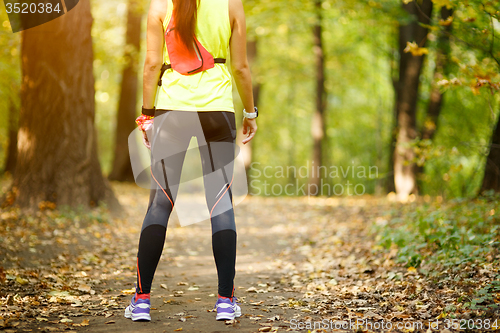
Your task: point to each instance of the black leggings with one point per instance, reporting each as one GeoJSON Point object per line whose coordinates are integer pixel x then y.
{"type": "Point", "coordinates": [172, 132]}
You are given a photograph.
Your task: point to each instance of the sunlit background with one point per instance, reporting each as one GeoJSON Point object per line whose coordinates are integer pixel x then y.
{"type": "Point", "coordinates": [361, 61]}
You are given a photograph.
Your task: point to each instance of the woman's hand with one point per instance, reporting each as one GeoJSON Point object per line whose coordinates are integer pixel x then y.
{"type": "Point", "coordinates": [249, 129]}
{"type": "Point", "coordinates": [145, 140]}
{"type": "Point", "coordinates": [145, 123]}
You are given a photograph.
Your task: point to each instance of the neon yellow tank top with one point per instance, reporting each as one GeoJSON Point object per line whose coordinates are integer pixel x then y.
{"type": "Point", "coordinates": [210, 90]}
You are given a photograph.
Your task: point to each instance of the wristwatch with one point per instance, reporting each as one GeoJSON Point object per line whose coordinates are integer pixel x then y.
{"type": "Point", "coordinates": [251, 115]}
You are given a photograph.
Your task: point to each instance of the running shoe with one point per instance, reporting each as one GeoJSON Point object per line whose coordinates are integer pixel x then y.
{"type": "Point", "coordinates": [138, 309]}
{"type": "Point", "coordinates": [227, 309]}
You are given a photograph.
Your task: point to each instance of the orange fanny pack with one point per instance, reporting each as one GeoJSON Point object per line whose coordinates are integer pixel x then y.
{"type": "Point", "coordinates": [181, 59]}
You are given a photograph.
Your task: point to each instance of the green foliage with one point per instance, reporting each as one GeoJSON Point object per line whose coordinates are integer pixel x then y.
{"type": "Point", "coordinates": [360, 48]}
{"type": "Point", "coordinates": [108, 34]}
{"type": "Point", "coordinates": [360, 43]}
{"type": "Point", "coordinates": [484, 298]}
{"type": "Point", "coordinates": [461, 231]}
{"type": "Point", "coordinates": [453, 241]}
{"type": "Point", "coordinates": [358, 86]}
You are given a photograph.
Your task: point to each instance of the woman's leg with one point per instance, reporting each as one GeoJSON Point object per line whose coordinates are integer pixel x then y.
{"type": "Point", "coordinates": [165, 174]}
{"type": "Point", "coordinates": [217, 155]}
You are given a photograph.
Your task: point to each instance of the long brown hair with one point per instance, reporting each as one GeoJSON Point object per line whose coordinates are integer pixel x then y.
{"type": "Point", "coordinates": [185, 20]}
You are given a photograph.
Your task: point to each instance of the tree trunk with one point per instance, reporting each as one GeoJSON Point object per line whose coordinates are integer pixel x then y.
{"type": "Point", "coordinates": [407, 94]}
{"type": "Point", "coordinates": [491, 179]}
{"type": "Point", "coordinates": [57, 148]}
{"type": "Point", "coordinates": [318, 121]}
{"type": "Point", "coordinates": [127, 110]}
{"type": "Point", "coordinates": [10, 163]}
{"type": "Point", "coordinates": [389, 185]}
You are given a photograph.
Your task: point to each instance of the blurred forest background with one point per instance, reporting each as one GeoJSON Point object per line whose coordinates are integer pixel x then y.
{"type": "Point", "coordinates": [409, 88]}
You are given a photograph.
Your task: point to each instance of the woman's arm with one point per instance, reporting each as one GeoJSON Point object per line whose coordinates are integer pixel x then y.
{"type": "Point", "coordinates": [154, 52]}
{"type": "Point", "coordinates": [239, 64]}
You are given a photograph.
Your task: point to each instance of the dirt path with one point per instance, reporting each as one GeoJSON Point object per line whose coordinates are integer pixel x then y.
{"type": "Point", "coordinates": [300, 261]}
{"type": "Point", "coordinates": [80, 277]}
{"type": "Point", "coordinates": [185, 286]}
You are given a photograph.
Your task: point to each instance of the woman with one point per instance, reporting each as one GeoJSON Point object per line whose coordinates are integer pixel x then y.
{"type": "Point", "coordinates": [197, 105]}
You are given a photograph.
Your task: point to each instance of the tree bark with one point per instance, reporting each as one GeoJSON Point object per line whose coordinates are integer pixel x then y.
{"type": "Point", "coordinates": [10, 163]}
{"type": "Point", "coordinates": [318, 122]}
{"type": "Point", "coordinates": [57, 148]}
{"type": "Point", "coordinates": [491, 179]}
{"type": "Point", "coordinates": [407, 94]}
{"type": "Point", "coordinates": [127, 111]}
{"type": "Point", "coordinates": [390, 185]}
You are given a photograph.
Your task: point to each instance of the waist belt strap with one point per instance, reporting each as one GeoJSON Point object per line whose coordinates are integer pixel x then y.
{"type": "Point", "coordinates": [165, 67]}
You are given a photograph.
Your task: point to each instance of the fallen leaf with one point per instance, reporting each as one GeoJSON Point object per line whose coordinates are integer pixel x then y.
{"type": "Point", "coordinates": [77, 304]}
{"type": "Point", "coordinates": [372, 315]}
{"type": "Point", "coordinates": [85, 288]}
{"type": "Point", "coordinates": [441, 315]}
{"type": "Point", "coordinates": [412, 270]}
{"type": "Point", "coordinates": [128, 291]}
{"type": "Point", "coordinates": [21, 281]}
{"type": "Point", "coordinates": [333, 282]}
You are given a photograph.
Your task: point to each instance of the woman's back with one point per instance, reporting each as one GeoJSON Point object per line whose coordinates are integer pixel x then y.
{"type": "Point", "coordinates": [209, 90]}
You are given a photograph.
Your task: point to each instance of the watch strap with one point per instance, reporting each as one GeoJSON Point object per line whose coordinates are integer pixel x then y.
{"type": "Point", "coordinates": [251, 115]}
{"type": "Point", "coordinates": [149, 112]}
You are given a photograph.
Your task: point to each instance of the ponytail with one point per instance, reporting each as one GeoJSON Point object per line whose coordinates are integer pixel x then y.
{"type": "Point", "coordinates": [185, 20]}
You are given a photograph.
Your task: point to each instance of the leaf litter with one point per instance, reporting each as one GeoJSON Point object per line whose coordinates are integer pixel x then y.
{"type": "Point", "coordinates": [56, 267]}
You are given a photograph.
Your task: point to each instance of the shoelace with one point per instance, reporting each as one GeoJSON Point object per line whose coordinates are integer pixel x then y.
{"type": "Point", "coordinates": [234, 301]}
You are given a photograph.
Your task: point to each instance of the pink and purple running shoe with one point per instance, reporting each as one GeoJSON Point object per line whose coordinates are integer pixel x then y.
{"type": "Point", "coordinates": [138, 309]}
